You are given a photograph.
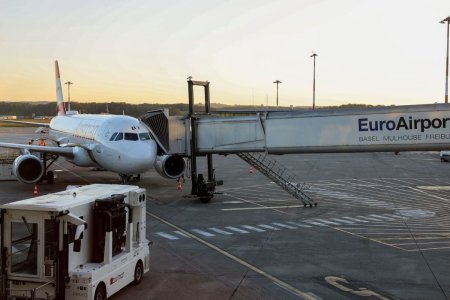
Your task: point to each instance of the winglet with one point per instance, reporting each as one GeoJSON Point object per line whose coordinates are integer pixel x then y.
{"type": "Point", "coordinates": [59, 94]}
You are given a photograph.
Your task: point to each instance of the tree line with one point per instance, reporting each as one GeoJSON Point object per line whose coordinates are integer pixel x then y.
{"type": "Point", "coordinates": [35, 109]}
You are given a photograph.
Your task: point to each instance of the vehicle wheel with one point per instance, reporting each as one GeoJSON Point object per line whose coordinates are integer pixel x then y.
{"type": "Point", "coordinates": [100, 292]}
{"type": "Point", "coordinates": [138, 272]}
{"type": "Point", "coordinates": [50, 177]}
{"type": "Point", "coordinates": [205, 199]}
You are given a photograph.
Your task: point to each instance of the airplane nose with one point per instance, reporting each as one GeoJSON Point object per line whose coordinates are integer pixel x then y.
{"type": "Point", "coordinates": [146, 156]}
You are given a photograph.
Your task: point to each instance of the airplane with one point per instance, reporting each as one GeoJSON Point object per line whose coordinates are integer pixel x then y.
{"type": "Point", "coordinates": [117, 143]}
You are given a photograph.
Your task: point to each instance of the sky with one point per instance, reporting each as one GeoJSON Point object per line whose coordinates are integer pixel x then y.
{"type": "Point", "coordinates": [389, 52]}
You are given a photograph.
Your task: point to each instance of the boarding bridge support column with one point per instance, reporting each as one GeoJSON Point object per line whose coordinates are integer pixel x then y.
{"type": "Point", "coordinates": [204, 190]}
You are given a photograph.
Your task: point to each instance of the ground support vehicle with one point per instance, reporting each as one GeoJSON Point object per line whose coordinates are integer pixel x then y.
{"type": "Point", "coordinates": [83, 243]}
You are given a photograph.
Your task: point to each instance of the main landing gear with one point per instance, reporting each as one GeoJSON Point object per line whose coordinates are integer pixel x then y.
{"type": "Point", "coordinates": [47, 161]}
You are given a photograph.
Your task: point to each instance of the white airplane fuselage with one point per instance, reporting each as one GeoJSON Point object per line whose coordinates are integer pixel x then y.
{"type": "Point", "coordinates": [130, 151]}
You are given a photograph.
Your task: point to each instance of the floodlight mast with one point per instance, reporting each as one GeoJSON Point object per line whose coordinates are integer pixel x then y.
{"type": "Point", "coordinates": [277, 82]}
{"type": "Point", "coordinates": [314, 81]}
{"type": "Point", "coordinates": [446, 66]}
{"type": "Point", "coordinates": [68, 92]}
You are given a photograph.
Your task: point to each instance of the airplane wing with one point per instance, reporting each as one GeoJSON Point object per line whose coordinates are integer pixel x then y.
{"type": "Point", "coordinates": [26, 123]}
{"type": "Point", "coordinates": [61, 151]}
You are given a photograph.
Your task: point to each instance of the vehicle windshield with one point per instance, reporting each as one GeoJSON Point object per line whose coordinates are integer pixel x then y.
{"type": "Point", "coordinates": [24, 247]}
{"type": "Point", "coordinates": [144, 136]}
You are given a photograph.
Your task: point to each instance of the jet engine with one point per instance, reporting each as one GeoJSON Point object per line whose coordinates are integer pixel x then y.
{"type": "Point", "coordinates": [170, 166]}
{"type": "Point", "coordinates": [28, 168]}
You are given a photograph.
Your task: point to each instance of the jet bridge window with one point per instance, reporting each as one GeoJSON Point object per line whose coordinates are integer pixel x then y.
{"type": "Point", "coordinates": [119, 136]}
{"type": "Point", "coordinates": [144, 136]}
{"type": "Point", "coordinates": [113, 136]}
{"type": "Point", "coordinates": [24, 247]}
{"type": "Point", "coordinates": [131, 136]}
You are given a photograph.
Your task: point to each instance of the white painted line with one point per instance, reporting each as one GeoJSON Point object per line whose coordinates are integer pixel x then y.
{"type": "Point", "coordinates": [268, 227]}
{"type": "Point", "coordinates": [204, 233]}
{"type": "Point", "coordinates": [314, 223]}
{"type": "Point", "coordinates": [167, 236]}
{"type": "Point", "coordinates": [354, 219]}
{"type": "Point", "coordinates": [284, 225]}
{"type": "Point", "coordinates": [262, 207]}
{"type": "Point", "coordinates": [300, 224]}
{"type": "Point", "coordinates": [370, 219]}
{"type": "Point", "coordinates": [382, 217]}
{"type": "Point", "coordinates": [326, 222]}
{"type": "Point", "coordinates": [236, 229]}
{"type": "Point", "coordinates": [232, 202]}
{"type": "Point", "coordinates": [280, 283]}
{"type": "Point", "coordinates": [343, 221]}
{"type": "Point", "coordinates": [395, 216]}
{"type": "Point", "coordinates": [253, 228]}
{"type": "Point", "coordinates": [219, 231]}
{"type": "Point", "coordinates": [182, 234]}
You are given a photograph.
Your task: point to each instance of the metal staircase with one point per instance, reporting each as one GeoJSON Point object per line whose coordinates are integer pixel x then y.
{"type": "Point", "coordinates": [278, 173]}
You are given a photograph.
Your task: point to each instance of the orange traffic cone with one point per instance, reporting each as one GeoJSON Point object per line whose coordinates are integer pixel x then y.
{"type": "Point", "coordinates": [179, 185]}
{"type": "Point", "coordinates": [250, 170]}
{"type": "Point", "coordinates": [36, 190]}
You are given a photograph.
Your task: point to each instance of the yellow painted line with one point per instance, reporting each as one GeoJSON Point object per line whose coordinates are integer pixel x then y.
{"type": "Point", "coordinates": [415, 238]}
{"type": "Point", "coordinates": [426, 249]}
{"type": "Point", "coordinates": [405, 244]}
{"type": "Point", "coordinates": [406, 233]}
{"type": "Point", "coordinates": [367, 238]}
{"type": "Point", "coordinates": [434, 187]}
{"type": "Point", "coordinates": [398, 229]}
{"type": "Point", "coordinates": [428, 194]}
{"type": "Point", "coordinates": [280, 283]}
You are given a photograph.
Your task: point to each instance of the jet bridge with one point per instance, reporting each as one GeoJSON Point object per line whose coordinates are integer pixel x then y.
{"type": "Point", "coordinates": [259, 133]}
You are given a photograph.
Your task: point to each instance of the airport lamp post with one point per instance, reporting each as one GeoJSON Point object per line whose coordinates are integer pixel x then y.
{"type": "Point", "coordinates": [446, 68]}
{"type": "Point", "coordinates": [68, 88]}
{"type": "Point", "coordinates": [277, 82]}
{"type": "Point", "coordinates": [314, 81]}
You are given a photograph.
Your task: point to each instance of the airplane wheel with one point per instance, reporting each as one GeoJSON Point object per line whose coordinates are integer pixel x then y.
{"type": "Point", "coordinates": [50, 177]}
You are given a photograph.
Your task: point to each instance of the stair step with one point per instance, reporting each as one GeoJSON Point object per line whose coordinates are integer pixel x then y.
{"type": "Point", "coordinates": [267, 166]}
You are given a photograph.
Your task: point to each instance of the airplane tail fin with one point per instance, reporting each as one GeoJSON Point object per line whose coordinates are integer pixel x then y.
{"type": "Point", "coordinates": [61, 109]}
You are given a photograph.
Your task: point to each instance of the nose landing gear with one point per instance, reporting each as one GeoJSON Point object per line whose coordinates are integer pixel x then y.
{"type": "Point", "coordinates": [126, 178]}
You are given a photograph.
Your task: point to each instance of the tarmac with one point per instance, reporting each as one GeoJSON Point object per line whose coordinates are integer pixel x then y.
{"type": "Point", "coordinates": [380, 230]}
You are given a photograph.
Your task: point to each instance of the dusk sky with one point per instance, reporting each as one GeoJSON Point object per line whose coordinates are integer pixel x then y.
{"type": "Point", "coordinates": [369, 51]}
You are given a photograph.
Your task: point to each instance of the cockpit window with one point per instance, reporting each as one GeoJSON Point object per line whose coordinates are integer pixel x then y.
{"type": "Point", "coordinates": [113, 136]}
{"type": "Point", "coordinates": [131, 136]}
{"type": "Point", "coordinates": [144, 136]}
{"type": "Point", "coordinates": [119, 136]}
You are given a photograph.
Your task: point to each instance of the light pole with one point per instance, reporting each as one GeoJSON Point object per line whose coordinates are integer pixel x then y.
{"type": "Point", "coordinates": [446, 68]}
{"type": "Point", "coordinates": [314, 80]}
{"type": "Point", "coordinates": [68, 87]}
{"type": "Point", "coordinates": [277, 82]}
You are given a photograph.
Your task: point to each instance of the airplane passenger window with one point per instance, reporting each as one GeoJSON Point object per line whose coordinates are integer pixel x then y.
{"type": "Point", "coordinates": [119, 136]}
{"type": "Point", "coordinates": [113, 136]}
{"type": "Point", "coordinates": [144, 136]}
{"type": "Point", "coordinates": [131, 136]}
